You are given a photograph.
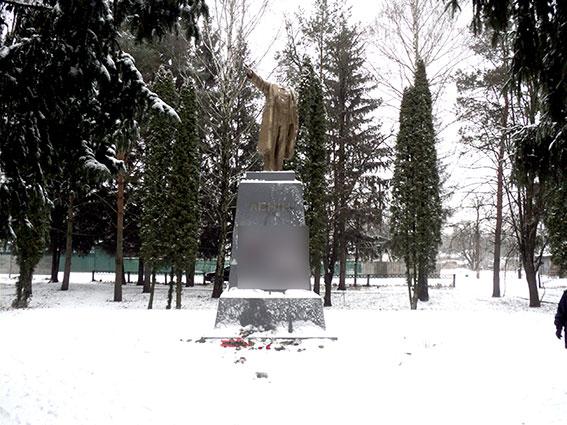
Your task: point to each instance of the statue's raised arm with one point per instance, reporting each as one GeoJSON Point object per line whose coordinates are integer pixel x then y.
{"type": "Point", "coordinates": [258, 81]}
{"type": "Point", "coordinates": [279, 122]}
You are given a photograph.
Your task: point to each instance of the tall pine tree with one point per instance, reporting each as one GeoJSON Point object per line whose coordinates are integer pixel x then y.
{"type": "Point", "coordinates": [155, 186]}
{"type": "Point", "coordinates": [184, 190]}
{"type": "Point", "coordinates": [416, 211]}
{"type": "Point", "coordinates": [310, 163]}
{"type": "Point", "coordinates": [356, 146]}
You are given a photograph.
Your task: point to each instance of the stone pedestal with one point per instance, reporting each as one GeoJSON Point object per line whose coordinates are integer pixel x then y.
{"type": "Point", "coordinates": [269, 283]}
{"type": "Point", "coordinates": [266, 311]}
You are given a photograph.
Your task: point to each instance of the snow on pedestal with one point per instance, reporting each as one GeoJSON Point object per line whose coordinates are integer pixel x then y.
{"type": "Point", "coordinates": [268, 310]}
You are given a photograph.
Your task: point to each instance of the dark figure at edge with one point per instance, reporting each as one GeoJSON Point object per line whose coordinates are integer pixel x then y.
{"type": "Point", "coordinates": [561, 317]}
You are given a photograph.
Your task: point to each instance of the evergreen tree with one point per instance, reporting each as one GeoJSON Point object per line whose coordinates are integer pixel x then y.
{"type": "Point", "coordinates": [61, 67]}
{"type": "Point", "coordinates": [355, 144]}
{"type": "Point", "coordinates": [557, 224]}
{"type": "Point", "coordinates": [31, 235]}
{"type": "Point", "coordinates": [184, 191]}
{"type": "Point", "coordinates": [310, 163]}
{"type": "Point", "coordinates": [432, 216]}
{"type": "Point", "coordinates": [156, 180]}
{"type": "Point", "coordinates": [416, 212]}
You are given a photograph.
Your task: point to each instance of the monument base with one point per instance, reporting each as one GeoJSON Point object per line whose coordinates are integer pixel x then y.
{"type": "Point", "coordinates": [270, 310]}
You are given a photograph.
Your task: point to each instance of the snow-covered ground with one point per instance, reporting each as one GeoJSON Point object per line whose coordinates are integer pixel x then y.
{"type": "Point", "coordinates": [76, 357]}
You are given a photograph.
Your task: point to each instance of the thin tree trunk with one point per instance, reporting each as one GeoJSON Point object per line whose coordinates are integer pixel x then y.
{"type": "Point", "coordinates": [477, 247]}
{"type": "Point", "coordinates": [341, 219]}
{"type": "Point", "coordinates": [147, 279]}
{"type": "Point", "coordinates": [152, 291]}
{"type": "Point", "coordinates": [498, 224]}
{"type": "Point", "coordinates": [140, 272]}
{"type": "Point", "coordinates": [408, 281]}
{"type": "Point", "coordinates": [170, 293]}
{"type": "Point", "coordinates": [224, 212]}
{"type": "Point", "coordinates": [219, 269]}
{"type": "Point", "coordinates": [328, 279]}
{"type": "Point", "coordinates": [415, 289]}
{"type": "Point", "coordinates": [342, 266]}
{"type": "Point", "coordinates": [317, 275]}
{"type": "Point", "coordinates": [191, 274]}
{"type": "Point", "coordinates": [355, 264]}
{"type": "Point", "coordinates": [23, 286]}
{"type": "Point", "coordinates": [55, 258]}
{"type": "Point", "coordinates": [178, 289]}
{"type": "Point", "coordinates": [422, 284]}
{"type": "Point", "coordinates": [68, 244]}
{"type": "Point", "coordinates": [119, 276]}
{"type": "Point", "coordinates": [500, 187]}
{"type": "Point", "coordinates": [328, 266]}
{"type": "Point", "coordinates": [330, 261]}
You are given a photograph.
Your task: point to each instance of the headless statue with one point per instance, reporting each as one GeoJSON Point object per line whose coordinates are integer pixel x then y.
{"type": "Point", "coordinates": [279, 123]}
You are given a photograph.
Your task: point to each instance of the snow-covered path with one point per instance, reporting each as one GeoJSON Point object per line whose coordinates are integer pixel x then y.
{"type": "Point", "coordinates": [99, 364]}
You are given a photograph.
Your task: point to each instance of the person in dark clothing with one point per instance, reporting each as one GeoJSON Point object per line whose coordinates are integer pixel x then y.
{"type": "Point", "coordinates": [561, 317]}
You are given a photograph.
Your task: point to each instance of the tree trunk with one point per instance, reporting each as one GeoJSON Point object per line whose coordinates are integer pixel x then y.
{"type": "Point", "coordinates": [329, 261]}
{"type": "Point", "coordinates": [477, 244]}
{"type": "Point", "coordinates": [499, 201]}
{"type": "Point", "coordinates": [355, 263]}
{"type": "Point", "coordinates": [147, 279]}
{"type": "Point", "coordinates": [170, 293]}
{"type": "Point", "coordinates": [342, 265]}
{"type": "Point", "coordinates": [328, 289]}
{"type": "Point", "coordinates": [219, 269]}
{"type": "Point", "coordinates": [68, 244]}
{"type": "Point", "coordinates": [317, 274]}
{"type": "Point", "coordinates": [532, 283]}
{"type": "Point", "coordinates": [119, 276]}
{"type": "Point", "coordinates": [191, 274]}
{"type": "Point", "coordinates": [24, 285]}
{"type": "Point", "coordinates": [409, 283]}
{"type": "Point", "coordinates": [422, 286]}
{"type": "Point", "coordinates": [55, 258]}
{"type": "Point", "coordinates": [152, 291]}
{"type": "Point", "coordinates": [411, 280]}
{"type": "Point", "coordinates": [328, 279]}
{"type": "Point", "coordinates": [140, 272]}
{"type": "Point", "coordinates": [178, 289]}
{"type": "Point", "coordinates": [415, 288]}
{"type": "Point", "coordinates": [498, 226]}
{"type": "Point", "coordinates": [328, 275]}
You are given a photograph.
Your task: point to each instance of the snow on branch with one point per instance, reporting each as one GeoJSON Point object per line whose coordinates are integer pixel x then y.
{"type": "Point", "coordinates": [152, 98]}
{"type": "Point", "coordinates": [32, 4]}
{"type": "Point", "coordinates": [91, 163]}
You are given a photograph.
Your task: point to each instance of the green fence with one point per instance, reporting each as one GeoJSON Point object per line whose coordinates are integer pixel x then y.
{"type": "Point", "coordinates": [100, 261]}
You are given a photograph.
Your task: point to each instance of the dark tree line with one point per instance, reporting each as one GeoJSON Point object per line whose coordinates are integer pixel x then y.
{"type": "Point", "coordinates": [67, 90]}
